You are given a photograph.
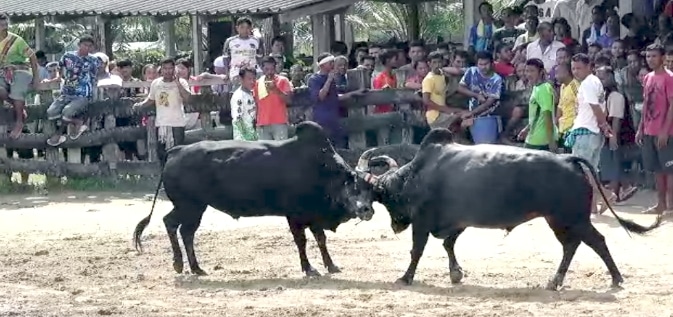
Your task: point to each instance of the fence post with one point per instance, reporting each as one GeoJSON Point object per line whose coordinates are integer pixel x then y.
{"type": "Point", "coordinates": [51, 154]}
{"type": "Point", "coordinates": [407, 130]}
{"type": "Point", "coordinates": [357, 79]}
{"type": "Point", "coordinates": [5, 178]}
{"type": "Point", "coordinates": [151, 140]}
{"type": "Point", "coordinates": [110, 150]}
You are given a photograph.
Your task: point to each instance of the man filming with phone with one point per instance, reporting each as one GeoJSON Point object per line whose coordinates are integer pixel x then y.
{"type": "Point", "coordinates": [272, 94]}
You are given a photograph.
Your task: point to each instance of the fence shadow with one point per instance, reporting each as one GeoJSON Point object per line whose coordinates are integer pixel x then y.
{"type": "Point", "coordinates": [36, 200]}
{"type": "Point", "coordinates": [515, 294]}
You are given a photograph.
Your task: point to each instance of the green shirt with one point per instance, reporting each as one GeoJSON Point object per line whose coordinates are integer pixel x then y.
{"type": "Point", "coordinates": [14, 50]}
{"type": "Point", "coordinates": [541, 101]}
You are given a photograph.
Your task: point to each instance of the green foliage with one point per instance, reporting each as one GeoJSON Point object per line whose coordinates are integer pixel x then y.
{"type": "Point", "coordinates": [140, 58]}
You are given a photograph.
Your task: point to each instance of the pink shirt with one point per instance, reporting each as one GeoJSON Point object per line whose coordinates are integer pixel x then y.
{"type": "Point", "coordinates": [657, 92]}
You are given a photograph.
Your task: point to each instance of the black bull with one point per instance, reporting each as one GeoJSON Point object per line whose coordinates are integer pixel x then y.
{"type": "Point", "coordinates": [448, 187]}
{"type": "Point", "coordinates": [302, 179]}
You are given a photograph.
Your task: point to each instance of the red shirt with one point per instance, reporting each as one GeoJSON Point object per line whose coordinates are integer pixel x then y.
{"type": "Point", "coordinates": [657, 92]}
{"type": "Point", "coordinates": [504, 69]}
{"type": "Point", "coordinates": [272, 109]}
{"type": "Point", "coordinates": [383, 80]}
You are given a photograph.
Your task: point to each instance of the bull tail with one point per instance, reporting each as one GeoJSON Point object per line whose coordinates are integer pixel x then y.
{"type": "Point", "coordinates": [628, 225]}
{"type": "Point", "coordinates": [140, 227]}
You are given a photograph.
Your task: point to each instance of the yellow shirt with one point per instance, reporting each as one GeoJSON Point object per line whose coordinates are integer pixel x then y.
{"type": "Point", "coordinates": [567, 103]}
{"type": "Point", "coordinates": [435, 85]}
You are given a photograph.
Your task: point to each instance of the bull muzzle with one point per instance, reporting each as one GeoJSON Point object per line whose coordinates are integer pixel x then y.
{"type": "Point", "coordinates": [364, 211]}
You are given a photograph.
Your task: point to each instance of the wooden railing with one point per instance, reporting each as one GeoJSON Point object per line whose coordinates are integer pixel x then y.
{"type": "Point", "coordinates": [107, 105]}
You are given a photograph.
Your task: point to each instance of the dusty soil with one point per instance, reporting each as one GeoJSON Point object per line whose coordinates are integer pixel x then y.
{"type": "Point", "coordinates": [71, 255]}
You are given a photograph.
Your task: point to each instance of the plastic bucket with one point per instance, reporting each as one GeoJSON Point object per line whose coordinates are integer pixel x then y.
{"type": "Point", "coordinates": [485, 130]}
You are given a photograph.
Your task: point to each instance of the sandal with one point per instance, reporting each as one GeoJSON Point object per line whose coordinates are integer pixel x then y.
{"type": "Point", "coordinates": [604, 206]}
{"type": "Point", "coordinates": [56, 142]}
{"type": "Point", "coordinates": [79, 132]}
{"type": "Point", "coordinates": [653, 211]}
{"type": "Point", "coordinates": [626, 194]}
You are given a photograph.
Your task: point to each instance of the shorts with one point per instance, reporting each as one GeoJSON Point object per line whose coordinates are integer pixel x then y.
{"type": "Point", "coordinates": [589, 147]}
{"type": "Point", "coordinates": [655, 159]}
{"type": "Point", "coordinates": [20, 86]}
{"type": "Point", "coordinates": [611, 169]}
{"type": "Point", "coordinates": [272, 132]}
{"type": "Point", "coordinates": [67, 107]}
{"type": "Point", "coordinates": [444, 121]}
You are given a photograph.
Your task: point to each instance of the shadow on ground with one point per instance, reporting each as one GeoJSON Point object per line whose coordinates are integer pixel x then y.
{"type": "Point", "coordinates": [23, 201]}
{"type": "Point", "coordinates": [515, 294]}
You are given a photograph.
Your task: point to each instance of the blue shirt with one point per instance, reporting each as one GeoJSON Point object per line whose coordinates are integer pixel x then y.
{"type": "Point", "coordinates": [326, 111]}
{"type": "Point", "coordinates": [79, 74]}
{"type": "Point", "coordinates": [481, 43]}
{"type": "Point", "coordinates": [490, 87]}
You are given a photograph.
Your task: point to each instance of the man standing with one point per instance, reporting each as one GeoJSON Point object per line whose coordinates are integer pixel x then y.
{"type": "Point", "coordinates": [325, 98]}
{"type": "Point", "coordinates": [585, 138]}
{"type": "Point", "coordinates": [596, 28]}
{"type": "Point", "coordinates": [16, 57]}
{"type": "Point", "coordinates": [433, 88]}
{"type": "Point", "coordinates": [545, 47]}
{"type": "Point", "coordinates": [509, 32]}
{"type": "Point", "coordinates": [416, 53]}
{"type": "Point", "coordinates": [481, 33]}
{"type": "Point", "coordinates": [386, 79]}
{"type": "Point", "coordinates": [241, 50]}
{"type": "Point", "coordinates": [483, 86]}
{"type": "Point", "coordinates": [79, 70]}
{"type": "Point", "coordinates": [243, 108]}
{"type": "Point", "coordinates": [656, 127]}
{"type": "Point", "coordinates": [168, 93]}
{"type": "Point", "coordinates": [530, 34]}
{"type": "Point", "coordinates": [272, 94]}
{"type": "Point", "coordinates": [541, 132]}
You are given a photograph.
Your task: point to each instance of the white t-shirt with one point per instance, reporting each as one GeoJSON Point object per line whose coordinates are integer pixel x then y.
{"type": "Point", "coordinates": [590, 92]}
{"type": "Point", "coordinates": [170, 108]}
{"type": "Point", "coordinates": [241, 52]}
{"type": "Point", "coordinates": [616, 104]}
{"type": "Point", "coordinates": [243, 105]}
{"type": "Point", "coordinates": [548, 56]}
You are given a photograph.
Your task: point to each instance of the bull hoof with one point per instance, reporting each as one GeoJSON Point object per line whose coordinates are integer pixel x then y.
{"type": "Point", "coordinates": [178, 266]}
{"type": "Point", "coordinates": [199, 272]}
{"type": "Point", "coordinates": [404, 281]}
{"type": "Point", "coordinates": [617, 283]}
{"type": "Point", "coordinates": [333, 269]}
{"type": "Point", "coordinates": [456, 276]}
{"type": "Point", "coordinates": [552, 285]}
{"type": "Point", "coordinates": [312, 273]}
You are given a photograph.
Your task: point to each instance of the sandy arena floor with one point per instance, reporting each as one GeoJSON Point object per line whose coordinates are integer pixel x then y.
{"type": "Point", "coordinates": [71, 255]}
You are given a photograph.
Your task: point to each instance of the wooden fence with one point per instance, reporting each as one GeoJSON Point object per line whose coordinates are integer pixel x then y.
{"type": "Point", "coordinates": [110, 106]}
{"type": "Point", "coordinates": [107, 105]}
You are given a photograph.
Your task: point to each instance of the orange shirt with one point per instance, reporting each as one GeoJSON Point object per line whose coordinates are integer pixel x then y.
{"type": "Point", "coordinates": [383, 80]}
{"type": "Point", "coordinates": [272, 109]}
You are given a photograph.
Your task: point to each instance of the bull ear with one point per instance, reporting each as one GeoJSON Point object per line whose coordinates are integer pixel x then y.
{"type": "Point", "coordinates": [437, 136]}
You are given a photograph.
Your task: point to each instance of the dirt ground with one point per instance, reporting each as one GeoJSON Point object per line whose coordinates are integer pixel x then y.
{"type": "Point", "coordinates": [71, 255]}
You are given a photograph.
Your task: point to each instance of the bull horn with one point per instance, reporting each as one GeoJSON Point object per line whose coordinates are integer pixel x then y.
{"type": "Point", "coordinates": [363, 162]}
{"type": "Point", "coordinates": [392, 164]}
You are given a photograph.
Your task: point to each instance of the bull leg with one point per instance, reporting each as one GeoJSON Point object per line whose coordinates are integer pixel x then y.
{"type": "Point", "coordinates": [187, 231]}
{"type": "Point", "coordinates": [299, 236]}
{"type": "Point", "coordinates": [172, 223]}
{"type": "Point", "coordinates": [596, 241]}
{"type": "Point", "coordinates": [321, 239]}
{"type": "Point", "coordinates": [420, 239]}
{"type": "Point", "coordinates": [570, 240]}
{"type": "Point", "coordinates": [455, 271]}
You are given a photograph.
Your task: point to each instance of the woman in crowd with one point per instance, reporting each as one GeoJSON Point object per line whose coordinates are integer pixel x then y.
{"type": "Point", "coordinates": [621, 139]}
